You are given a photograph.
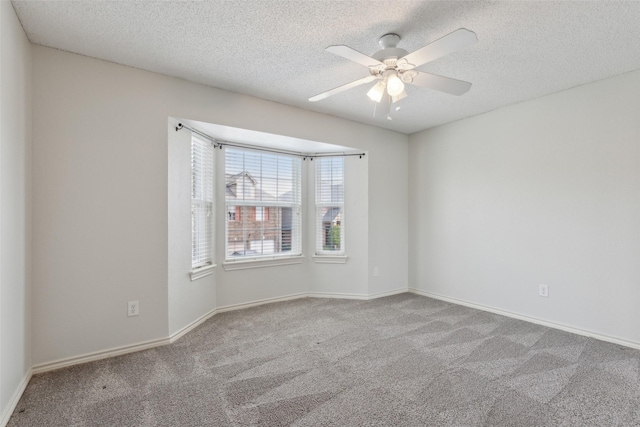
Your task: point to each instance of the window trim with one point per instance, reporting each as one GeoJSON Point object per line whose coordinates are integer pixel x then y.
{"type": "Point", "coordinates": [231, 263]}
{"type": "Point", "coordinates": [200, 272]}
{"type": "Point", "coordinates": [198, 269]}
{"type": "Point", "coordinates": [263, 261]}
{"type": "Point", "coordinates": [331, 257]}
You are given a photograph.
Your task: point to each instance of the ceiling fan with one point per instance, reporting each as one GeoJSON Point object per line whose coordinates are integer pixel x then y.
{"type": "Point", "coordinates": [392, 67]}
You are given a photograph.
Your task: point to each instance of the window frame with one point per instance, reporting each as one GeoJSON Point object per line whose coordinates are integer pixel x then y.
{"type": "Point", "coordinates": [322, 254]}
{"type": "Point", "coordinates": [248, 213]}
{"type": "Point", "coordinates": [202, 171]}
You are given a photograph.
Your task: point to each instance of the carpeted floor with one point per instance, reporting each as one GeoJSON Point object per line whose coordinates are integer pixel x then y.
{"type": "Point", "coordinates": [404, 360]}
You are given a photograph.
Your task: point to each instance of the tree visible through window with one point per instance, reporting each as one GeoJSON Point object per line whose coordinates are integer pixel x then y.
{"type": "Point", "coordinates": [330, 206]}
{"type": "Point", "coordinates": [263, 204]}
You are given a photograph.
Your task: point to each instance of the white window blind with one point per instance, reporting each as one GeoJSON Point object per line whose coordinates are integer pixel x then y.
{"type": "Point", "coordinates": [263, 204]}
{"type": "Point", "coordinates": [201, 202]}
{"type": "Point", "coordinates": [329, 206]}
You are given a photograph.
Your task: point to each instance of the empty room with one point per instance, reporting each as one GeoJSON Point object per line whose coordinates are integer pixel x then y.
{"type": "Point", "coordinates": [319, 213]}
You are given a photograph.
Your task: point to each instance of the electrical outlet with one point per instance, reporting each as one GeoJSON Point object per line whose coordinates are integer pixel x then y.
{"type": "Point", "coordinates": [376, 272]}
{"type": "Point", "coordinates": [543, 291]}
{"type": "Point", "coordinates": [133, 308]}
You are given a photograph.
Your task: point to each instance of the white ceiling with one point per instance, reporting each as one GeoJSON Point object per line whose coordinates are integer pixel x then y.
{"type": "Point", "coordinates": [275, 49]}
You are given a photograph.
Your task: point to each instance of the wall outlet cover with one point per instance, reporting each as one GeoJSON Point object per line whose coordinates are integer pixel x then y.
{"type": "Point", "coordinates": [133, 308]}
{"type": "Point", "coordinates": [543, 291]}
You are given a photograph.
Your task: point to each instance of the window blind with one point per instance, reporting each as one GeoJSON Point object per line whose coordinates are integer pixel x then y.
{"type": "Point", "coordinates": [263, 204]}
{"type": "Point", "coordinates": [201, 202]}
{"type": "Point", "coordinates": [329, 178]}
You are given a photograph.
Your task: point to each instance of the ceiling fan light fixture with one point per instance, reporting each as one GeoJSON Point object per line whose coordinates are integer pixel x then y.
{"type": "Point", "coordinates": [376, 92]}
{"type": "Point", "coordinates": [397, 98]}
{"type": "Point", "coordinates": [394, 85]}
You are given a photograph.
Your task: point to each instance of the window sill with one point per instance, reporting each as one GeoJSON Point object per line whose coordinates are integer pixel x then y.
{"type": "Point", "coordinates": [200, 272]}
{"type": "Point", "coordinates": [330, 259]}
{"type": "Point", "coordinates": [244, 264]}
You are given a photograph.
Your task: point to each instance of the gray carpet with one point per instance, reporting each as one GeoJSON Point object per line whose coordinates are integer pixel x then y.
{"type": "Point", "coordinates": [404, 360]}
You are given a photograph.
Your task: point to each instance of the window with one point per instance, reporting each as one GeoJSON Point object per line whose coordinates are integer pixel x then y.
{"type": "Point", "coordinates": [330, 206]}
{"type": "Point", "coordinates": [262, 213]}
{"type": "Point", "coordinates": [263, 192]}
{"type": "Point", "coordinates": [201, 203]}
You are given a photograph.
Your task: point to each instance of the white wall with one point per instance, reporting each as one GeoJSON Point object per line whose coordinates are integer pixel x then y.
{"type": "Point", "coordinates": [15, 203]}
{"type": "Point", "coordinates": [101, 227]}
{"type": "Point", "coordinates": [100, 205]}
{"type": "Point", "coordinates": [546, 191]}
{"type": "Point", "coordinates": [188, 300]}
{"type": "Point", "coordinates": [388, 213]}
{"type": "Point", "coordinates": [349, 279]}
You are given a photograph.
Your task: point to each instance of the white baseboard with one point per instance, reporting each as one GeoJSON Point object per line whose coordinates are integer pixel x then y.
{"type": "Point", "coordinates": [191, 326]}
{"type": "Point", "coordinates": [232, 307]}
{"type": "Point", "coordinates": [13, 402]}
{"type": "Point", "coordinates": [90, 357]}
{"type": "Point", "coordinates": [103, 354]}
{"type": "Point", "coordinates": [356, 296]}
{"type": "Point", "coordinates": [388, 293]}
{"type": "Point", "coordinates": [118, 351]}
{"type": "Point", "coordinates": [554, 325]}
{"type": "Point", "coordinates": [337, 295]}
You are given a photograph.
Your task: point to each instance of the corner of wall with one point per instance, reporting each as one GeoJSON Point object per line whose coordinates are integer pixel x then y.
{"type": "Point", "coordinates": [188, 300]}
{"type": "Point", "coordinates": [16, 109]}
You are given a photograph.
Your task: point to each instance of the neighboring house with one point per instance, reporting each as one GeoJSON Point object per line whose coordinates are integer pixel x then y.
{"type": "Point", "coordinates": [254, 225]}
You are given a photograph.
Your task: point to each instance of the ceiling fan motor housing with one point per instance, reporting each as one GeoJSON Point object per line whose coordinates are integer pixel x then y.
{"type": "Point", "coordinates": [389, 54]}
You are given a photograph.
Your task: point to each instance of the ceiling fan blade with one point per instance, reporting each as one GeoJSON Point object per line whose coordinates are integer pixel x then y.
{"type": "Point", "coordinates": [450, 43]}
{"type": "Point", "coordinates": [339, 89]}
{"type": "Point", "coordinates": [353, 55]}
{"type": "Point", "coordinates": [440, 83]}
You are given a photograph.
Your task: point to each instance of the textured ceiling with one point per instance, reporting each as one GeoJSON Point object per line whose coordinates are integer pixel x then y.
{"type": "Point", "coordinates": [275, 49]}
